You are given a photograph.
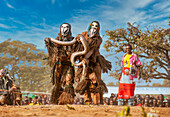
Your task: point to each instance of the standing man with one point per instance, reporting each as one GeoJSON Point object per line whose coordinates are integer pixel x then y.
{"type": "Point", "coordinates": [131, 69]}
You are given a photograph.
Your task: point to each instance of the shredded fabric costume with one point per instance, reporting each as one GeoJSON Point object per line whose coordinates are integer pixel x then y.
{"type": "Point", "coordinates": [95, 59]}
{"type": "Point", "coordinates": [62, 72]}
{"type": "Point", "coordinates": [6, 83]}
{"type": "Point", "coordinates": [95, 63]}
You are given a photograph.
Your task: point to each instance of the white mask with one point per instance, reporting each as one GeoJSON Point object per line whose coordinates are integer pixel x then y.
{"type": "Point", "coordinates": [65, 30]}
{"type": "Point", "coordinates": [93, 30]}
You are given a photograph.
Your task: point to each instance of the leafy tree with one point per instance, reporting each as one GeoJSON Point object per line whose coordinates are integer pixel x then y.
{"type": "Point", "coordinates": [25, 64]}
{"type": "Point", "coordinates": [110, 84]}
{"type": "Point", "coordinates": [151, 45]}
{"type": "Point", "coordinates": [166, 83]}
{"type": "Point", "coordinates": [117, 83]}
{"type": "Point", "coordinates": [156, 85]}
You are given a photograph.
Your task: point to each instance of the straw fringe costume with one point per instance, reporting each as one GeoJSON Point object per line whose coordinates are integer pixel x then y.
{"type": "Point", "coordinates": [95, 63]}
{"type": "Point", "coordinates": [62, 72]}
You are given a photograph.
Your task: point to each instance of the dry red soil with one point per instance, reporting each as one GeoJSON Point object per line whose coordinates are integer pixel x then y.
{"type": "Point", "coordinates": [80, 111]}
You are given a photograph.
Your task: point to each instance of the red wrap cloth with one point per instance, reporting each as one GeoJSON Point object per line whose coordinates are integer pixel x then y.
{"type": "Point", "coordinates": [126, 91]}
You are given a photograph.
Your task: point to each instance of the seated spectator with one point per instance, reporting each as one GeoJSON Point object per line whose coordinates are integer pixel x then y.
{"type": "Point", "coordinates": [112, 95]}
{"type": "Point", "coordinates": [166, 102]}
{"type": "Point", "coordinates": [151, 97]}
{"type": "Point", "coordinates": [157, 97]}
{"type": "Point", "coordinates": [111, 101]}
{"type": "Point", "coordinates": [139, 103]}
{"type": "Point", "coordinates": [161, 97]}
{"type": "Point", "coordinates": [81, 101]}
{"type": "Point", "coordinates": [107, 101]}
{"type": "Point", "coordinates": [160, 101]}
{"type": "Point", "coordinates": [76, 101]}
{"type": "Point", "coordinates": [142, 100]}
{"type": "Point", "coordinates": [115, 101]}
{"type": "Point", "coordinates": [147, 96]}
{"type": "Point", "coordinates": [137, 96]}
{"type": "Point", "coordinates": [30, 100]}
{"type": "Point", "coordinates": [40, 100]}
{"type": "Point", "coordinates": [146, 104]}
{"type": "Point", "coordinates": [150, 102]}
{"type": "Point", "coordinates": [35, 101]}
{"type": "Point", "coordinates": [154, 102]}
{"type": "Point", "coordinates": [26, 101]}
{"type": "Point", "coordinates": [43, 101]}
{"type": "Point", "coordinates": [134, 102]}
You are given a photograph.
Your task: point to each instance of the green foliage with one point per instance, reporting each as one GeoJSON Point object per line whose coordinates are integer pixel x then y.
{"type": "Point", "coordinates": [25, 64]}
{"type": "Point", "coordinates": [87, 103]}
{"type": "Point", "coordinates": [125, 112]}
{"type": "Point", "coordinates": [70, 107]}
{"type": "Point", "coordinates": [121, 114]}
{"type": "Point", "coordinates": [151, 45]}
{"type": "Point", "coordinates": [144, 114]}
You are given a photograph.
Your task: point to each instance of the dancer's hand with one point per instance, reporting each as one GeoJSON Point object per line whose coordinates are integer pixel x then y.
{"type": "Point", "coordinates": [47, 40]}
{"type": "Point", "coordinates": [78, 39]}
{"type": "Point", "coordinates": [84, 61]}
{"type": "Point", "coordinates": [138, 77]}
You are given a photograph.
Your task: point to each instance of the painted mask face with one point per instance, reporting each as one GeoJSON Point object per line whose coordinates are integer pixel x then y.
{"type": "Point", "coordinates": [93, 30]}
{"type": "Point", "coordinates": [65, 29]}
{"type": "Point", "coordinates": [2, 72]}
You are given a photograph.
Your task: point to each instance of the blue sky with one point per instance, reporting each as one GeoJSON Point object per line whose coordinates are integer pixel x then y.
{"type": "Point", "coordinates": [33, 20]}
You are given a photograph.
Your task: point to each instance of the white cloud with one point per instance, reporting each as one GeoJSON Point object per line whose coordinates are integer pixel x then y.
{"type": "Point", "coordinates": [112, 17]}
{"type": "Point", "coordinates": [6, 26]}
{"type": "Point", "coordinates": [10, 6]}
{"type": "Point", "coordinates": [52, 1]}
{"type": "Point", "coordinates": [30, 34]}
{"type": "Point", "coordinates": [16, 21]}
{"type": "Point", "coordinates": [162, 23]}
{"type": "Point", "coordinates": [58, 2]}
{"type": "Point", "coordinates": [2, 19]}
{"type": "Point", "coordinates": [138, 3]}
{"type": "Point", "coordinates": [109, 16]}
{"type": "Point", "coordinates": [162, 5]}
{"type": "Point", "coordinates": [83, 0]}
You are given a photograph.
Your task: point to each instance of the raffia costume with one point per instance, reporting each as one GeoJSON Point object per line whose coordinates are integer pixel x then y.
{"type": "Point", "coordinates": [7, 84]}
{"type": "Point", "coordinates": [62, 75]}
{"type": "Point", "coordinates": [95, 63]}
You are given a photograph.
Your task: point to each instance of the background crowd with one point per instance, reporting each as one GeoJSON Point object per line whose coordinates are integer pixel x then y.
{"type": "Point", "coordinates": [138, 100]}
{"type": "Point", "coordinates": [36, 100]}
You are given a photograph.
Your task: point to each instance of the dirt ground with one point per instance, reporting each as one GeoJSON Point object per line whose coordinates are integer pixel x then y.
{"type": "Point", "coordinates": [80, 111]}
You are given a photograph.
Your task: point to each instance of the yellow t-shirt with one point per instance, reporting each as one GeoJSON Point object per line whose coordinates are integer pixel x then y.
{"type": "Point", "coordinates": [127, 60]}
{"type": "Point", "coordinates": [31, 104]}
